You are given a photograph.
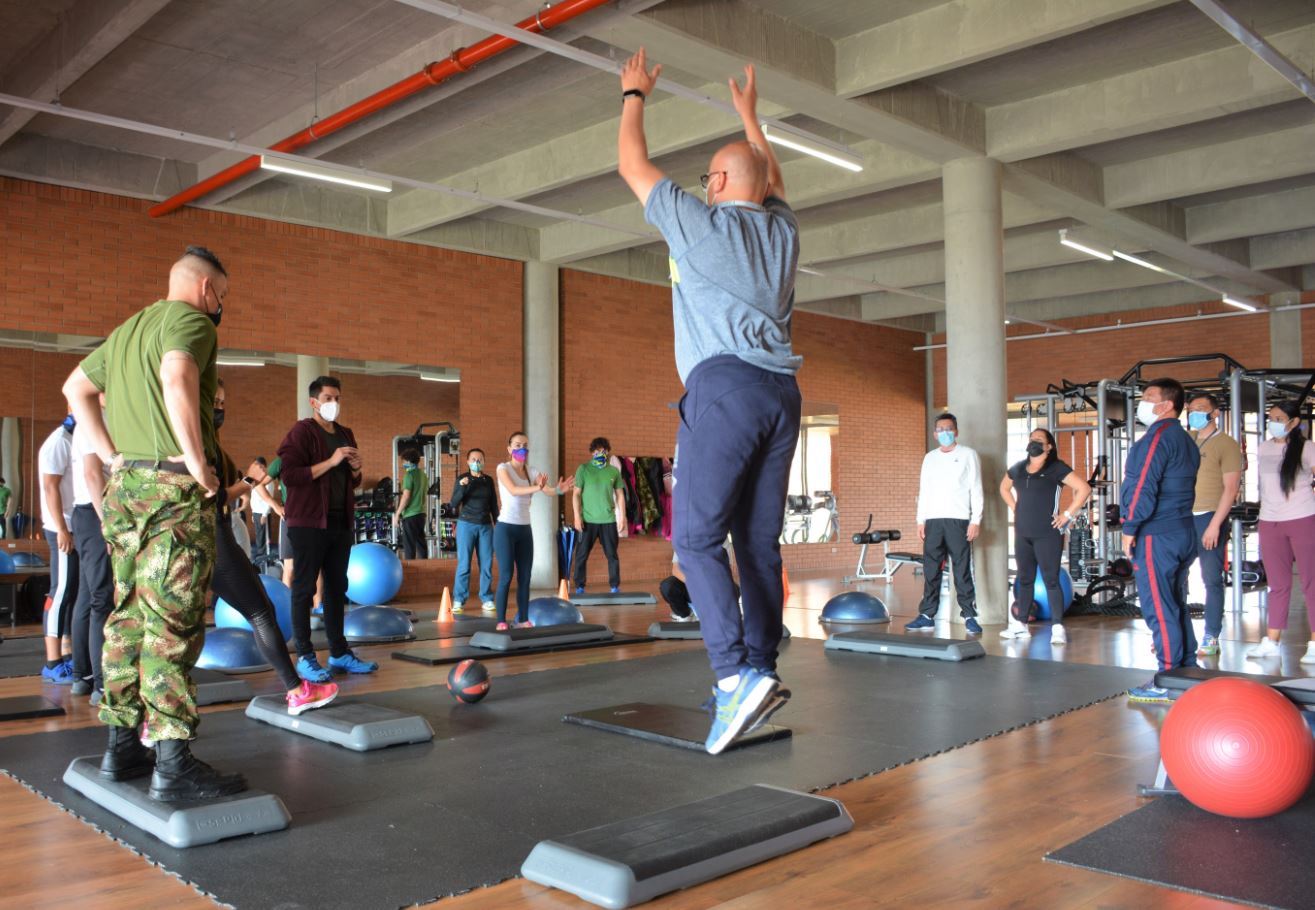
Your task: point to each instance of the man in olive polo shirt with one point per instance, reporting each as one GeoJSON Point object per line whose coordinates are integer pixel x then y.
{"type": "Point", "coordinates": [1217, 482]}
{"type": "Point", "coordinates": [156, 370]}
{"type": "Point", "coordinates": [410, 514]}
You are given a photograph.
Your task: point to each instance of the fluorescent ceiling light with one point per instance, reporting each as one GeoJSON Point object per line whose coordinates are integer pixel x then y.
{"type": "Point", "coordinates": [812, 145]}
{"type": "Point", "coordinates": [429, 376]}
{"type": "Point", "coordinates": [1126, 257]}
{"type": "Point", "coordinates": [238, 360]}
{"type": "Point", "coordinates": [327, 174]}
{"type": "Point", "coordinates": [1240, 304]}
{"type": "Point", "coordinates": [1082, 248]}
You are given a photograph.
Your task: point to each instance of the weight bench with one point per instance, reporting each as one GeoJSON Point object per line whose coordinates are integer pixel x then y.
{"type": "Point", "coordinates": [890, 562]}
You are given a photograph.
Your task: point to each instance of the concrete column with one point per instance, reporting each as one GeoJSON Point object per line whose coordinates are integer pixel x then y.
{"type": "Point", "coordinates": [1285, 331]}
{"type": "Point", "coordinates": [975, 355]}
{"type": "Point", "coordinates": [309, 368]}
{"type": "Point", "coordinates": [542, 359]}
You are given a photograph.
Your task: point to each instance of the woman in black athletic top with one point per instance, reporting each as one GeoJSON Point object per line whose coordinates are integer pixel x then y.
{"type": "Point", "coordinates": [1031, 489]}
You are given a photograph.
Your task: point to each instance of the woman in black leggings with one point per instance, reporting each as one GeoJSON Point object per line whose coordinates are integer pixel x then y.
{"type": "Point", "coordinates": [513, 541]}
{"type": "Point", "coordinates": [237, 582]}
{"type": "Point", "coordinates": [1031, 489]}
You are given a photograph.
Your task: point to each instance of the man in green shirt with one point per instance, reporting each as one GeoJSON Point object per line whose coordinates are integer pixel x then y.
{"type": "Point", "coordinates": [410, 512]}
{"type": "Point", "coordinates": [156, 370]}
{"type": "Point", "coordinates": [600, 512]}
{"type": "Point", "coordinates": [5, 493]}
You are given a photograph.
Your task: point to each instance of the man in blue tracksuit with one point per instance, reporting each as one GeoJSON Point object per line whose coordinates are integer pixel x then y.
{"type": "Point", "coordinates": [1159, 487]}
{"type": "Point", "coordinates": [733, 260]}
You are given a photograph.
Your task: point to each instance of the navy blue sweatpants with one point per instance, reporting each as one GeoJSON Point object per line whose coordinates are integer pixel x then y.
{"type": "Point", "coordinates": [1161, 559]}
{"type": "Point", "coordinates": [739, 426]}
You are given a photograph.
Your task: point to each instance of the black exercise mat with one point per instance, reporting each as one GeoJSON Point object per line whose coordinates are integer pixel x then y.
{"type": "Point", "coordinates": [22, 657]}
{"type": "Point", "coordinates": [413, 823]}
{"type": "Point", "coordinates": [22, 707]}
{"type": "Point", "coordinates": [453, 651]}
{"type": "Point", "coordinates": [1170, 842]}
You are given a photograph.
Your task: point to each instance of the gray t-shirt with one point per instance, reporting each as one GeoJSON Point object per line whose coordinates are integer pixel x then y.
{"type": "Point", "coordinates": [732, 277]}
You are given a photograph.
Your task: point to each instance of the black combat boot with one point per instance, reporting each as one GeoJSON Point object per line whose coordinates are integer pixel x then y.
{"type": "Point", "coordinates": [125, 756]}
{"type": "Point", "coordinates": [179, 775]}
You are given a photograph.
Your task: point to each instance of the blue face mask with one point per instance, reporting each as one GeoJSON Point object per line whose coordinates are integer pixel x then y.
{"type": "Point", "coordinates": [406, 466]}
{"type": "Point", "coordinates": [1197, 420]}
{"type": "Point", "coordinates": [945, 438]}
{"type": "Point", "coordinates": [1278, 428]}
{"type": "Point", "coordinates": [520, 454]}
{"type": "Point", "coordinates": [600, 460]}
{"type": "Point", "coordinates": [69, 423]}
{"type": "Point", "coordinates": [475, 466]}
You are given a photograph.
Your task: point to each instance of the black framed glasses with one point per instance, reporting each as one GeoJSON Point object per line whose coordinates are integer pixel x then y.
{"type": "Point", "coordinates": [703, 181]}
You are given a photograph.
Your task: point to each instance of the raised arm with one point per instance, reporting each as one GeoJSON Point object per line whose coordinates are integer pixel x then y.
{"type": "Point", "coordinates": [640, 174]}
{"type": "Point", "coordinates": [746, 105]}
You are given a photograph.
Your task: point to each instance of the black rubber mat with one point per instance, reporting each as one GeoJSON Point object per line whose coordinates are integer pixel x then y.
{"type": "Point", "coordinates": [21, 707]}
{"type": "Point", "coordinates": [412, 823]}
{"type": "Point", "coordinates": [22, 657]}
{"type": "Point", "coordinates": [453, 651]}
{"type": "Point", "coordinates": [1261, 862]}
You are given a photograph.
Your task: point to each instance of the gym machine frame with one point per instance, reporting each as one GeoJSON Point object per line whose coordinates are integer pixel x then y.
{"type": "Point", "coordinates": [432, 447]}
{"type": "Point", "coordinates": [890, 565]}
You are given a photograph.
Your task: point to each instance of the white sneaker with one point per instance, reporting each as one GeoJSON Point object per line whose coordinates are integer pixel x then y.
{"type": "Point", "coordinates": [1267, 648]}
{"type": "Point", "coordinates": [1309, 656]}
{"type": "Point", "coordinates": [1057, 636]}
{"type": "Point", "coordinates": [489, 606]}
{"type": "Point", "coordinates": [1015, 629]}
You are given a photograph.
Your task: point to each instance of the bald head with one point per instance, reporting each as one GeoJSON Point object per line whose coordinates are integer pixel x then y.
{"type": "Point", "coordinates": [738, 171]}
{"type": "Point", "coordinates": [198, 278]}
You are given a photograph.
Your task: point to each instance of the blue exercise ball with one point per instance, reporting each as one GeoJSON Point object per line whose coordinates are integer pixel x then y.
{"type": "Point", "coordinates": [553, 611]}
{"type": "Point", "coordinates": [1041, 598]}
{"type": "Point", "coordinates": [855, 607]}
{"type": "Point", "coordinates": [227, 617]}
{"type": "Point", "coordinates": [377, 624]}
{"type": "Point", "coordinates": [374, 574]}
{"type": "Point", "coordinates": [28, 560]}
{"type": "Point", "coordinates": [6, 563]}
{"type": "Point", "coordinates": [233, 651]}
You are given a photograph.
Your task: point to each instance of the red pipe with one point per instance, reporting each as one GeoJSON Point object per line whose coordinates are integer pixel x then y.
{"type": "Point", "coordinates": [460, 61]}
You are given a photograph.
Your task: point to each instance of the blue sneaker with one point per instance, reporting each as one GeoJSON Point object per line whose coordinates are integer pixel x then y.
{"type": "Point", "coordinates": [580, 590]}
{"type": "Point", "coordinates": [776, 703]}
{"type": "Point", "coordinates": [309, 669]}
{"type": "Point", "coordinates": [616, 590]}
{"type": "Point", "coordinates": [1149, 694]}
{"type": "Point", "coordinates": [734, 711]}
{"type": "Point", "coordinates": [971, 624]}
{"type": "Point", "coordinates": [350, 663]}
{"type": "Point", "coordinates": [61, 674]}
{"type": "Point", "coordinates": [922, 622]}
{"type": "Point", "coordinates": [1209, 646]}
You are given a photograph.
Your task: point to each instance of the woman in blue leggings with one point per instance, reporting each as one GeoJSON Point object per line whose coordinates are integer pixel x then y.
{"type": "Point", "coordinates": [513, 541]}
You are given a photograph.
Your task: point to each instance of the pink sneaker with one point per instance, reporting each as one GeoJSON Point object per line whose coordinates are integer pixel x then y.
{"type": "Point", "coordinates": [525, 625]}
{"type": "Point", "coordinates": [503, 627]}
{"type": "Point", "coordinates": [311, 695]}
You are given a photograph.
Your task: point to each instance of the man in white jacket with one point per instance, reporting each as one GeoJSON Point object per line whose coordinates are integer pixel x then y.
{"type": "Point", "coordinates": [949, 518]}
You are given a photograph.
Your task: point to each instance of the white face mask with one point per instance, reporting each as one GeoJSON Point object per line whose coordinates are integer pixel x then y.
{"type": "Point", "coordinates": [329, 411]}
{"type": "Point", "coordinates": [1146, 412]}
{"type": "Point", "coordinates": [1278, 428]}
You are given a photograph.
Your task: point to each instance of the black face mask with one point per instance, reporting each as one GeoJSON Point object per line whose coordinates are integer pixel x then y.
{"type": "Point", "coordinates": [217, 315]}
{"type": "Point", "coordinates": [1035, 448]}
{"type": "Point", "coordinates": [219, 418]}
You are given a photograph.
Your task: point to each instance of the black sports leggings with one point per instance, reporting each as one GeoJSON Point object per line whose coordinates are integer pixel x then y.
{"type": "Point", "coordinates": [237, 582]}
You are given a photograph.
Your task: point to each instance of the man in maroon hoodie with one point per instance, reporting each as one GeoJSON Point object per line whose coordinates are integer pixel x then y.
{"type": "Point", "coordinates": [321, 468]}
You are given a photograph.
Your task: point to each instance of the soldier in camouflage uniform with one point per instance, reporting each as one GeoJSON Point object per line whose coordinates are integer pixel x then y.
{"type": "Point", "coordinates": [156, 371]}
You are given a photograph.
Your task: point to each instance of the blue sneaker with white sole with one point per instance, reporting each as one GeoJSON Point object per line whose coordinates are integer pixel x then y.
{"type": "Point", "coordinates": [350, 663]}
{"type": "Point", "coordinates": [1149, 694]}
{"type": "Point", "coordinates": [309, 669]}
{"type": "Point", "coordinates": [922, 622]}
{"type": "Point", "coordinates": [972, 626]}
{"type": "Point", "coordinates": [61, 674]}
{"type": "Point", "coordinates": [734, 711]}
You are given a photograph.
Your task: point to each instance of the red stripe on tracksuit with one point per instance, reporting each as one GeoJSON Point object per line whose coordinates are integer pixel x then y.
{"type": "Point", "coordinates": [1145, 465]}
{"type": "Point", "coordinates": [1155, 599]}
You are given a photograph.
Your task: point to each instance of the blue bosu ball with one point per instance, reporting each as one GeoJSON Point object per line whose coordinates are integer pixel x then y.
{"type": "Point", "coordinates": [377, 624]}
{"type": "Point", "coordinates": [553, 611]}
{"type": "Point", "coordinates": [855, 607]}
{"type": "Point", "coordinates": [232, 651]}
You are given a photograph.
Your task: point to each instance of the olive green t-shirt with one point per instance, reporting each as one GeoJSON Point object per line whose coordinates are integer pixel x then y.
{"type": "Point", "coordinates": [1220, 455]}
{"type": "Point", "coordinates": [5, 493]}
{"type": "Point", "coordinates": [274, 470]}
{"type": "Point", "coordinates": [415, 481]}
{"type": "Point", "coordinates": [127, 368]}
{"type": "Point", "coordinates": [596, 486]}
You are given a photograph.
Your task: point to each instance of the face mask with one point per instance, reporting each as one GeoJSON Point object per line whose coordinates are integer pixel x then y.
{"type": "Point", "coordinates": [600, 460]}
{"type": "Point", "coordinates": [1197, 420]}
{"type": "Point", "coordinates": [520, 454]}
{"type": "Point", "coordinates": [476, 466]}
{"type": "Point", "coordinates": [69, 423]}
{"type": "Point", "coordinates": [329, 411]}
{"type": "Point", "coordinates": [1278, 428]}
{"type": "Point", "coordinates": [1146, 412]}
{"type": "Point", "coordinates": [219, 418]}
{"type": "Point", "coordinates": [218, 314]}
{"type": "Point", "coordinates": [1035, 448]}
{"type": "Point", "coordinates": [407, 466]}
{"type": "Point", "coordinates": [945, 438]}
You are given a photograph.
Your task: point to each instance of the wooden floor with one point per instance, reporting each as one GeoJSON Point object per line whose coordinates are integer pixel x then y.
{"type": "Point", "coordinates": [967, 828]}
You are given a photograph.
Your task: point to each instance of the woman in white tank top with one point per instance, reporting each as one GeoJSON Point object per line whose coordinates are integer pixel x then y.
{"type": "Point", "coordinates": [513, 542]}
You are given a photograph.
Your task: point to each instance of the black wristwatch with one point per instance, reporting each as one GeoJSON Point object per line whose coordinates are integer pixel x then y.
{"type": "Point", "coordinates": [631, 93]}
{"type": "Point", "coordinates": [249, 481]}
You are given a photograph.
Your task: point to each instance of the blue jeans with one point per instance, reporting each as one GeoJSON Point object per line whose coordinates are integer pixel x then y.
{"type": "Point", "coordinates": [471, 536]}
{"type": "Point", "coordinates": [515, 548]}
{"type": "Point", "coordinates": [1212, 573]}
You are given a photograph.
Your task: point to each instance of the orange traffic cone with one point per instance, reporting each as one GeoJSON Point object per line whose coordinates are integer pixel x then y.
{"type": "Point", "coordinates": [785, 584]}
{"type": "Point", "coordinates": [564, 590]}
{"type": "Point", "coordinates": [445, 607]}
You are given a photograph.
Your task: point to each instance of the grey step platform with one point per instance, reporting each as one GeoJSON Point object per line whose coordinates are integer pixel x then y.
{"type": "Point", "coordinates": [519, 639]}
{"type": "Point", "coordinates": [906, 645]}
{"type": "Point", "coordinates": [181, 824]}
{"type": "Point", "coordinates": [676, 630]}
{"type": "Point", "coordinates": [22, 707]}
{"type": "Point", "coordinates": [215, 688]}
{"type": "Point", "coordinates": [613, 600]}
{"type": "Point", "coordinates": [635, 860]}
{"type": "Point", "coordinates": [1181, 679]}
{"type": "Point", "coordinates": [359, 726]}
{"type": "Point", "coordinates": [670, 725]}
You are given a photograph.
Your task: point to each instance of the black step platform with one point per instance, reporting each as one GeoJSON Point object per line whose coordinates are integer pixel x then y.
{"type": "Point", "coordinates": [671, 725]}
{"type": "Point", "coordinates": [181, 824]}
{"type": "Point", "coordinates": [521, 639]}
{"type": "Point", "coordinates": [359, 726]}
{"type": "Point", "coordinates": [613, 600]}
{"type": "Point", "coordinates": [215, 688]}
{"type": "Point", "coordinates": [906, 645]}
{"type": "Point", "coordinates": [1181, 679]}
{"type": "Point", "coordinates": [453, 651]}
{"type": "Point", "coordinates": [691, 631]}
{"type": "Point", "coordinates": [22, 707]}
{"type": "Point", "coordinates": [635, 860]}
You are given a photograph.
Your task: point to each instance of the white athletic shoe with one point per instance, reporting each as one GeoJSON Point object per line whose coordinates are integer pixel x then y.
{"type": "Point", "coordinates": [1015, 629]}
{"type": "Point", "coordinates": [1267, 648]}
{"type": "Point", "coordinates": [1057, 636]}
{"type": "Point", "coordinates": [1309, 656]}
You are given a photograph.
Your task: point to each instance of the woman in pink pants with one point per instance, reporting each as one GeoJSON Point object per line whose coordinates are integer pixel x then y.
{"type": "Point", "coordinates": [1287, 523]}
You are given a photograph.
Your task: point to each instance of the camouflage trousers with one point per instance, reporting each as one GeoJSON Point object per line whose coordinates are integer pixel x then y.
{"type": "Point", "coordinates": [161, 533]}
